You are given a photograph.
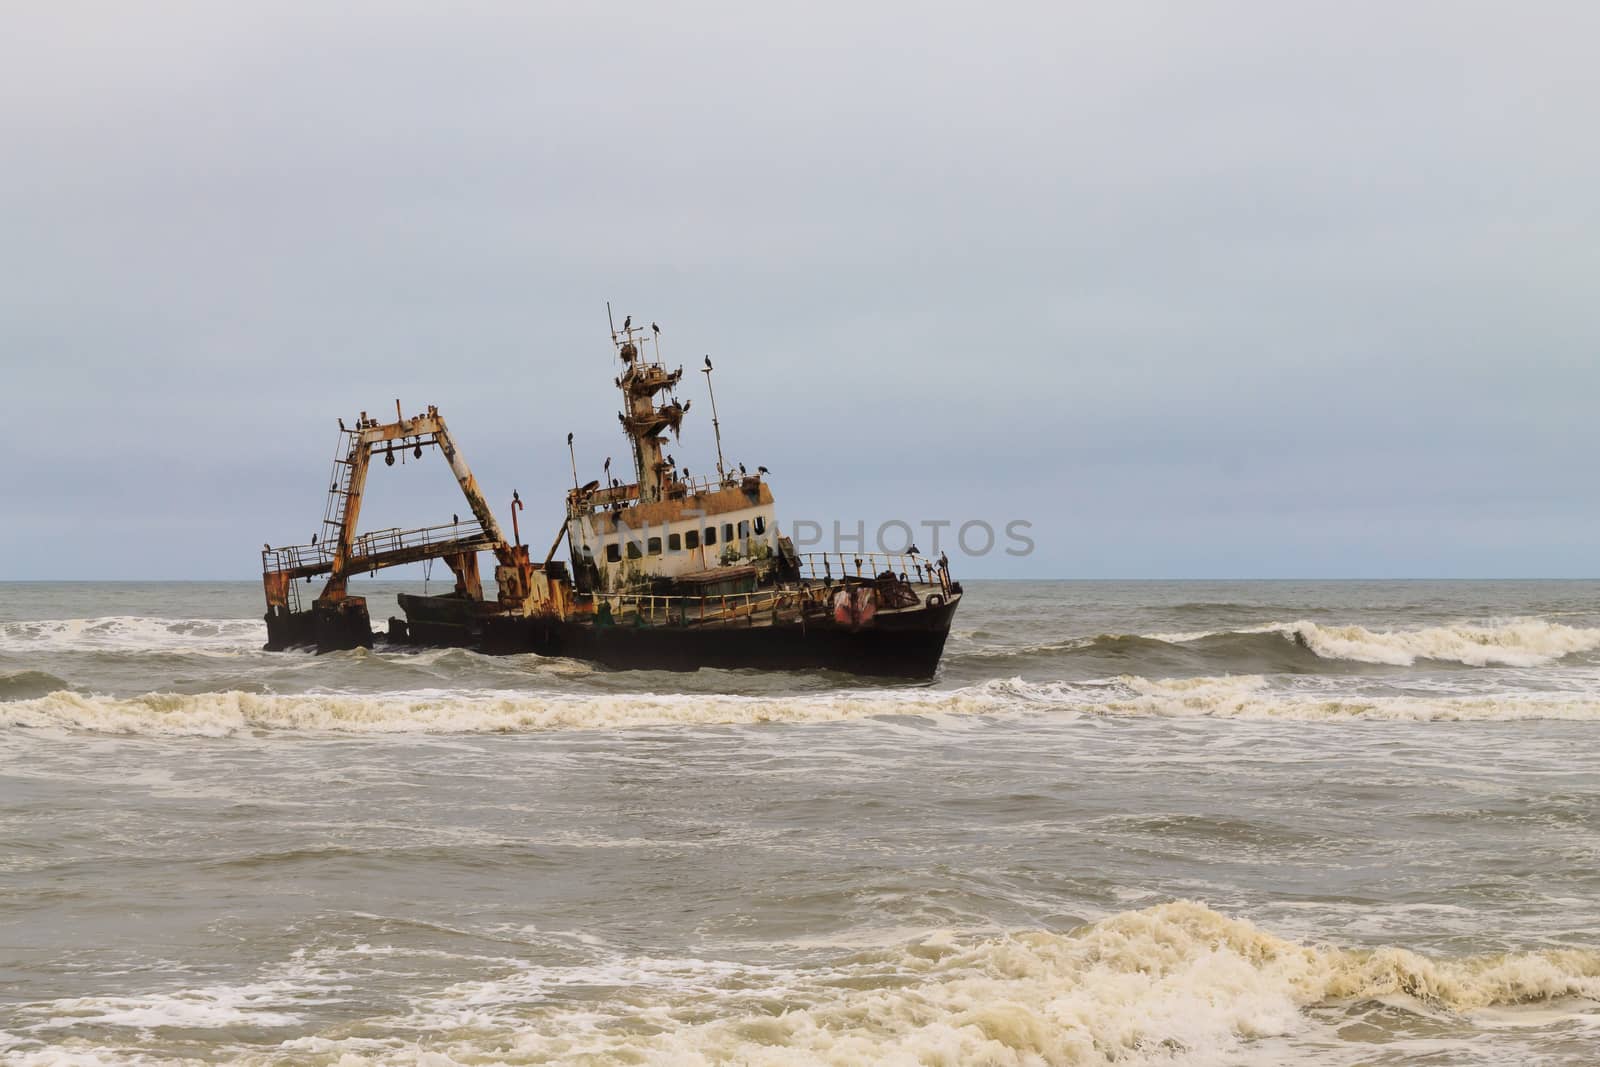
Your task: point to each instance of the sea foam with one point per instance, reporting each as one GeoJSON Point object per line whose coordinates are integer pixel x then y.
{"type": "Point", "coordinates": [1250, 697]}
{"type": "Point", "coordinates": [1177, 983]}
{"type": "Point", "coordinates": [477, 711]}
{"type": "Point", "coordinates": [132, 633]}
{"type": "Point", "coordinates": [1518, 643]}
{"type": "Point", "coordinates": [1513, 643]}
{"type": "Point", "coordinates": [1255, 697]}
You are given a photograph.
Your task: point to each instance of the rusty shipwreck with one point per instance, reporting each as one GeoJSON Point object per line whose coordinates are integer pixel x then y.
{"type": "Point", "coordinates": [670, 571]}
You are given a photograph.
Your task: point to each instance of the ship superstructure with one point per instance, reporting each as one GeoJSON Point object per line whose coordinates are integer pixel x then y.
{"type": "Point", "coordinates": [666, 528]}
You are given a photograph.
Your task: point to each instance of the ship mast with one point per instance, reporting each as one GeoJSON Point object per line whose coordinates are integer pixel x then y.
{"type": "Point", "coordinates": [716, 427]}
{"type": "Point", "coordinates": [642, 418]}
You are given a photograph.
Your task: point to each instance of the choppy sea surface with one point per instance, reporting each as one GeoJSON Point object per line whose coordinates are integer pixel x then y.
{"type": "Point", "coordinates": [1131, 823]}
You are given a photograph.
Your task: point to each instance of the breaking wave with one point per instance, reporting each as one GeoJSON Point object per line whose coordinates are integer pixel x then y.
{"type": "Point", "coordinates": [440, 711]}
{"type": "Point", "coordinates": [1519, 643]}
{"type": "Point", "coordinates": [1177, 982]}
{"type": "Point", "coordinates": [1254, 697]}
{"type": "Point", "coordinates": [1299, 645]}
{"type": "Point", "coordinates": [132, 633]}
{"type": "Point", "coordinates": [507, 711]}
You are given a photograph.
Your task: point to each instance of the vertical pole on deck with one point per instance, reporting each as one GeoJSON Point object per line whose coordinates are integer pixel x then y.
{"type": "Point", "coordinates": [716, 427]}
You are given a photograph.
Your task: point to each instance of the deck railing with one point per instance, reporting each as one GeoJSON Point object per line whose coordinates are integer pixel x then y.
{"type": "Point", "coordinates": [719, 607]}
{"type": "Point", "coordinates": [837, 566]}
{"type": "Point", "coordinates": [824, 567]}
{"type": "Point", "coordinates": [296, 557]}
{"type": "Point", "coordinates": [605, 496]}
{"type": "Point", "coordinates": [388, 542]}
{"type": "Point", "coordinates": [395, 539]}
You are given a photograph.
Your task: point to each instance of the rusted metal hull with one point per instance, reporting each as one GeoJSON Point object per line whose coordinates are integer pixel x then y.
{"type": "Point", "coordinates": [895, 645]}
{"type": "Point", "coordinates": [326, 627]}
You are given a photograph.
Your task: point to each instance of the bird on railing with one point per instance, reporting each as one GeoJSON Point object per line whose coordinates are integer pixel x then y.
{"type": "Point", "coordinates": [741, 469]}
{"type": "Point", "coordinates": [913, 550]}
{"type": "Point", "coordinates": [656, 329]}
{"type": "Point", "coordinates": [708, 364]}
{"type": "Point", "coordinates": [762, 470]}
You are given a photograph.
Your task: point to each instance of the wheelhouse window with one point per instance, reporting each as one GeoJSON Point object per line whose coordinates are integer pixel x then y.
{"type": "Point", "coordinates": [675, 542]}
{"type": "Point", "coordinates": [633, 550]}
{"type": "Point", "coordinates": [613, 553]}
{"type": "Point", "coordinates": [761, 524]}
{"type": "Point", "coordinates": [727, 532]}
{"type": "Point", "coordinates": [655, 546]}
{"type": "Point", "coordinates": [744, 530]}
{"type": "Point", "coordinates": [711, 535]}
{"type": "Point", "coordinates": [691, 539]}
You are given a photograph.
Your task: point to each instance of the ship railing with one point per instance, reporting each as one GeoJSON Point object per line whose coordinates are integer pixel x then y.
{"type": "Point", "coordinates": [693, 487]}
{"type": "Point", "coordinates": [395, 540]}
{"type": "Point", "coordinates": [296, 557]}
{"type": "Point", "coordinates": [628, 492]}
{"type": "Point", "coordinates": [579, 502]}
{"type": "Point", "coordinates": [838, 566]}
{"type": "Point", "coordinates": [721, 607]}
{"type": "Point", "coordinates": [712, 607]}
{"type": "Point", "coordinates": [316, 557]}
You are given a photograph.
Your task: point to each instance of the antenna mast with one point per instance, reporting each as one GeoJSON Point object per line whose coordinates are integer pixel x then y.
{"type": "Point", "coordinates": [716, 427]}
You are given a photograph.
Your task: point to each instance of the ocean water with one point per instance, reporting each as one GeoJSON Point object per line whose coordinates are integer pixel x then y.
{"type": "Point", "coordinates": [1130, 823]}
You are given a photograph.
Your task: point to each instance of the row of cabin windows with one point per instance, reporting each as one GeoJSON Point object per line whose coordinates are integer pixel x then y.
{"type": "Point", "coordinates": [690, 540]}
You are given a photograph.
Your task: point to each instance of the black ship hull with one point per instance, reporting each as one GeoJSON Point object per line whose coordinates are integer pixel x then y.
{"type": "Point", "coordinates": [902, 644]}
{"type": "Point", "coordinates": [331, 627]}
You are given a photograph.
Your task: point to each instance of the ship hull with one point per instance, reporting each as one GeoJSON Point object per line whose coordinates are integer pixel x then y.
{"type": "Point", "coordinates": [325, 627]}
{"type": "Point", "coordinates": [905, 644]}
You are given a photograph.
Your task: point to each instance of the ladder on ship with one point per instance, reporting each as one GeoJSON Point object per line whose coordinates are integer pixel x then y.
{"type": "Point", "coordinates": [291, 593]}
{"type": "Point", "coordinates": [338, 490]}
{"type": "Point", "coordinates": [333, 512]}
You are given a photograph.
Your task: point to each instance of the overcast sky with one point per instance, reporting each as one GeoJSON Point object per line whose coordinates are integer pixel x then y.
{"type": "Point", "coordinates": [1199, 290]}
